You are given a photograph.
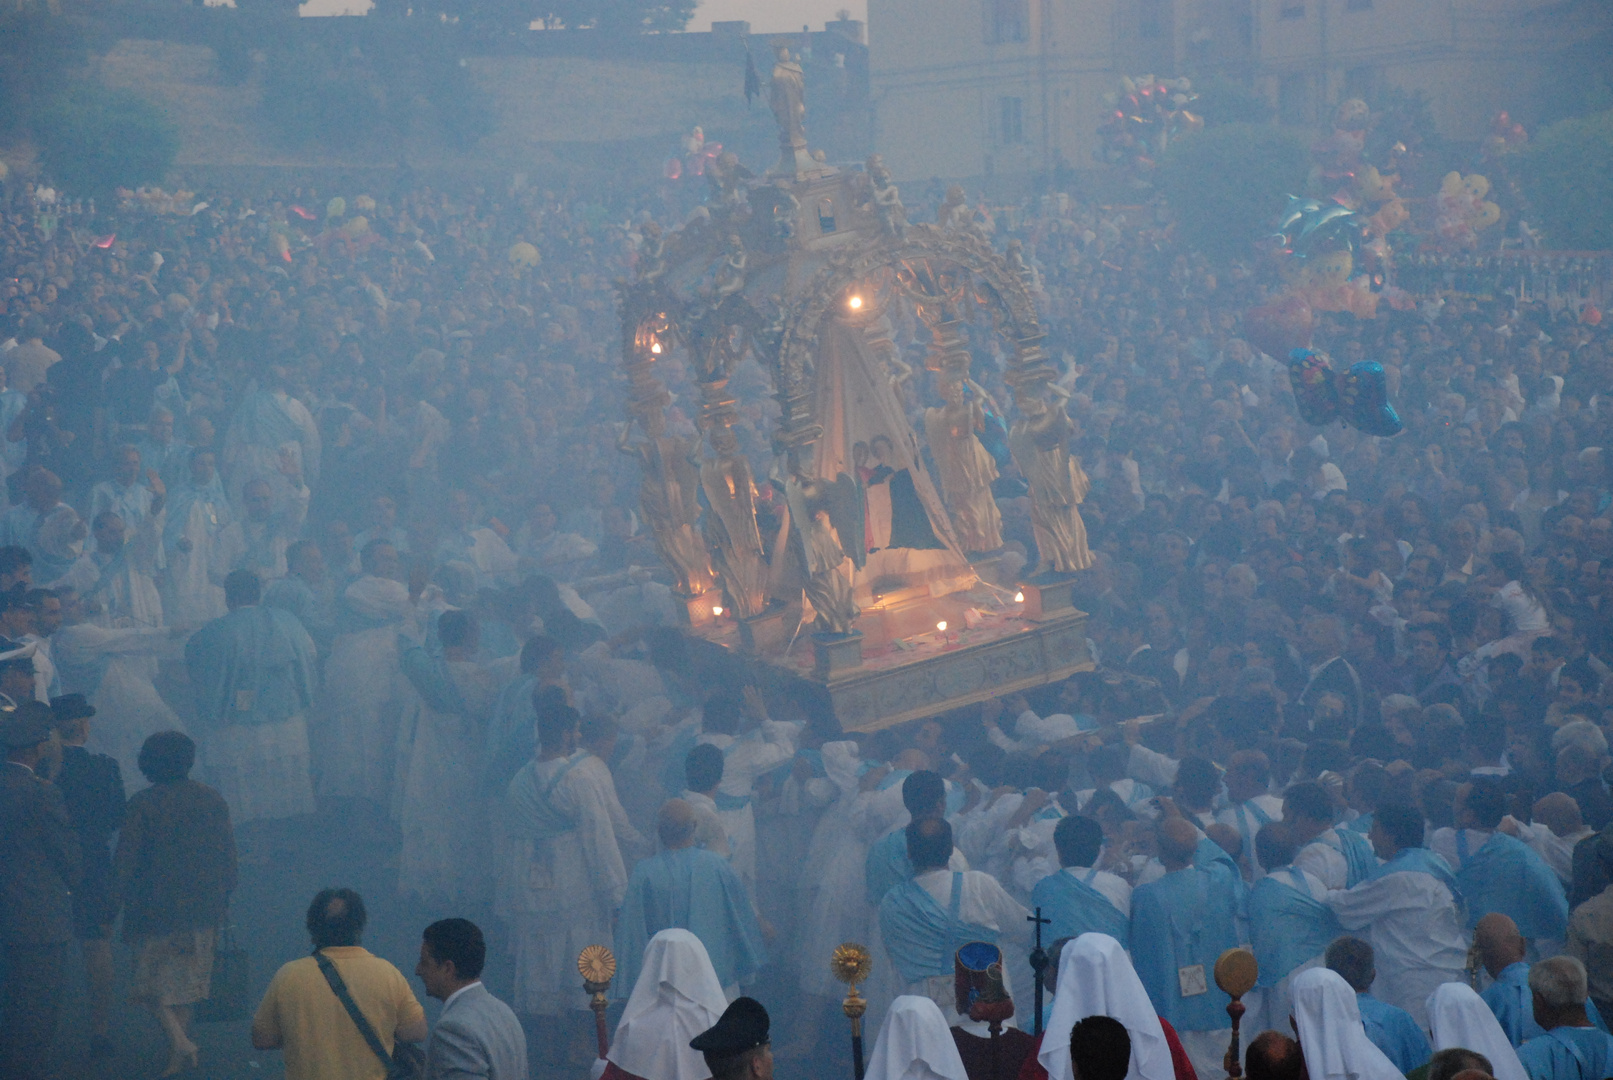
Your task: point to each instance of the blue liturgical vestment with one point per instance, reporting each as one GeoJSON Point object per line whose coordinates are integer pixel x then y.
{"type": "Point", "coordinates": [1513, 1004]}
{"type": "Point", "coordinates": [1180, 926]}
{"type": "Point", "coordinates": [1568, 1053]}
{"type": "Point", "coordinates": [1394, 1032]}
{"type": "Point", "coordinates": [920, 935]}
{"type": "Point", "coordinates": [887, 865]}
{"type": "Point", "coordinates": [695, 890]}
{"type": "Point", "coordinates": [1075, 907]}
{"type": "Point", "coordinates": [252, 666]}
{"type": "Point", "coordinates": [1506, 875]}
{"type": "Point", "coordinates": [1359, 857]}
{"type": "Point", "coordinates": [1289, 926]}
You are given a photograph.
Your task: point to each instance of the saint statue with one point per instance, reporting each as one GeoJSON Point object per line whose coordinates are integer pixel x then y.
{"type": "Point", "coordinates": [788, 100]}
{"type": "Point", "coordinates": [1039, 441]}
{"type": "Point", "coordinates": [966, 467]}
{"type": "Point", "coordinates": [829, 569]}
{"type": "Point", "coordinates": [667, 499]}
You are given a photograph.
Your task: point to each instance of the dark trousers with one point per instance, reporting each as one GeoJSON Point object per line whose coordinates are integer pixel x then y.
{"type": "Point", "coordinates": [29, 1004]}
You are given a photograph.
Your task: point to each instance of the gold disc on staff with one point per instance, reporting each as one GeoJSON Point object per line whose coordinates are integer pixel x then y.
{"type": "Point", "coordinates": [851, 963]}
{"type": "Point", "coordinates": [596, 964]}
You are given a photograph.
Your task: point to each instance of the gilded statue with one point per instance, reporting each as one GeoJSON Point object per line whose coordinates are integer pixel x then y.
{"type": "Point", "coordinates": [828, 568]}
{"type": "Point", "coordinates": [1039, 440]}
{"type": "Point", "coordinates": [667, 499]}
{"type": "Point", "coordinates": [966, 468]}
{"type": "Point", "coordinates": [788, 101]}
{"type": "Point", "coordinates": [651, 252]}
{"type": "Point", "coordinates": [730, 528]}
{"type": "Point", "coordinates": [887, 198]}
{"type": "Point", "coordinates": [729, 279]}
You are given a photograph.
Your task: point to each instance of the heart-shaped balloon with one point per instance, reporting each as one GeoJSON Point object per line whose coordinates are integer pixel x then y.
{"type": "Point", "coordinates": [1364, 400]}
{"type": "Point", "coordinates": [1280, 327]}
{"type": "Point", "coordinates": [1316, 392]}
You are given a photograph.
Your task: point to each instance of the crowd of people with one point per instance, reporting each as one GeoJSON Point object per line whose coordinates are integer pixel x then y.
{"type": "Point", "coordinates": [342, 495]}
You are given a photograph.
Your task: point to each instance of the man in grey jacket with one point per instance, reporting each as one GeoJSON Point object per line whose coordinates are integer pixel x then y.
{"type": "Point", "coordinates": [477, 1035]}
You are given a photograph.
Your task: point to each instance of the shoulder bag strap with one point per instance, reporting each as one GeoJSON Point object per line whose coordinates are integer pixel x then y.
{"type": "Point", "coordinates": [339, 988]}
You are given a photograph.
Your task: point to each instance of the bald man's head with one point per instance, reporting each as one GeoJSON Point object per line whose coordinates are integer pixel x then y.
{"type": "Point", "coordinates": [1177, 841]}
{"type": "Point", "coordinates": [1499, 943]}
{"type": "Point", "coordinates": [675, 824]}
{"type": "Point", "coordinates": [1560, 813]}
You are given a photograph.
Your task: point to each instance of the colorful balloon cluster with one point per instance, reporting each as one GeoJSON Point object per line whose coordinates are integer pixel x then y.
{"type": "Point", "coordinates": [1316, 243]}
{"type": "Point", "coordinates": [1359, 397]}
{"type": "Point", "coordinates": [1146, 115]}
{"type": "Point", "coordinates": [1462, 211]}
{"type": "Point", "coordinates": [1506, 136]}
{"type": "Point", "coordinates": [696, 153]}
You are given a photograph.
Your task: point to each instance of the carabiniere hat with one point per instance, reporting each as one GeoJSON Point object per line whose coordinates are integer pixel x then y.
{"type": "Point", "coordinates": [29, 726]}
{"type": "Point", "coordinates": [71, 707]}
{"type": "Point", "coordinates": [743, 1026]}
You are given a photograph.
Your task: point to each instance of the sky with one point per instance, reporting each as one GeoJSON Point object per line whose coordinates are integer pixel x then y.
{"type": "Point", "coordinates": [764, 16]}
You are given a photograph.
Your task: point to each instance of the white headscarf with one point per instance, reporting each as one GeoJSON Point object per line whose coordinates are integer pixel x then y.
{"type": "Point", "coordinates": [1095, 978]}
{"type": "Point", "coordinates": [1330, 1033]}
{"type": "Point", "coordinates": [915, 1044]}
{"type": "Point", "coordinates": [677, 996]}
{"type": "Point", "coordinates": [1459, 1017]}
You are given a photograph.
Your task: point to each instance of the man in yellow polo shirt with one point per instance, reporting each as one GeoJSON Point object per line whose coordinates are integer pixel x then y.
{"type": "Point", "coordinates": [302, 1016]}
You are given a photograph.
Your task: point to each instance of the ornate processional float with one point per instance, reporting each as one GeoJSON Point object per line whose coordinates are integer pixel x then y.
{"type": "Point", "coordinates": [880, 595]}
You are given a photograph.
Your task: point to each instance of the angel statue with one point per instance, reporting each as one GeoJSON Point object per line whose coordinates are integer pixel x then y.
{"type": "Point", "coordinates": [1039, 441]}
{"type": "Point", "coordinates": [966, 467]}
{"type": "Point", "coordinates": [667, 499]}
{"type": "Point", "coordinates": [820, 514]}
{"type": "Point", "coordinates": [652, 252]}
{"type": "Point", "coordinates": [729, 277]}
{"type": "Point", "coordinates": [887, 198]}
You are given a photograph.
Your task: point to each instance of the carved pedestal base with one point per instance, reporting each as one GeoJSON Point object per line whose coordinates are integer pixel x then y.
{"type": "Point", "coordinates": [834, 654]}
{"type": "Point", "coordinates": [696, 610]}
{"type": "Point", "coordinates": [764, 633]}
{"type": "Point", "coordinates": [1048, 596]}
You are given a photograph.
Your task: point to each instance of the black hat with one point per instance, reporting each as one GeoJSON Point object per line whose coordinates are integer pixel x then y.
{"type": "Point", "coordinates": [29, 726]}
{"type": "Point", "coordinates": [743, 1026]}
{"type": "Point", "coordinates": [71, 707]}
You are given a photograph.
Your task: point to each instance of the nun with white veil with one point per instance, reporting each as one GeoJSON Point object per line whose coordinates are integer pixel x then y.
{"type": "Point", "coordinates": [677, 996]}
{"type": "Point", "coordinates": [1328, 1023]}
{"type": "Point", "coordinates": [1096, 979]}
{"type": "Point", "coordinates": [1459, 1017]}
{"type": "Point", "coordinates": [914, 1044]}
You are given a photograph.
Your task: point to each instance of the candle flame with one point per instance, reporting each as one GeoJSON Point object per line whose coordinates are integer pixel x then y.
{"type": "Point", "coordinates": [1019, 598]}
{"type": "Point", "coordinates": [941, 626]}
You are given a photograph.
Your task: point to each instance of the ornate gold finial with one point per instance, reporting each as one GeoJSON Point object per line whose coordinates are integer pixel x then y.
{"type": "Point", "coordinates": [851, 963]}
{"type": "Point", "coordinates": [596, 964]}
{"type": "Point", "coordinates": [1236, 973]}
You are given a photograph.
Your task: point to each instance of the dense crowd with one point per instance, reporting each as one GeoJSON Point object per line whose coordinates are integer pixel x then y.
{"type": "Point", "coordinates": [391, 426]}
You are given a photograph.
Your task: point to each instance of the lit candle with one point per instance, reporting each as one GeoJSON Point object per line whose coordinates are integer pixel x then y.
{"type": "Point", "coordinates": [1019, 598]}
{"type": "Point", "coordinates": [716, 609]}
{"type": "Point", "coordinates": [655, 347]}
{"type": "Point", "coordinates": [941, 626]}
{"type": "Point", "coordinates": [855, 303]}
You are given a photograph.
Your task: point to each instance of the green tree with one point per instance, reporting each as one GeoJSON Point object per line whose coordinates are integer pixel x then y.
{"type": "Point", "coordinates": [1226, 184]}
{"type": "Point", "coordinates": [93, 139]}
{"type": "Point", "coordinates": [1567, 176]}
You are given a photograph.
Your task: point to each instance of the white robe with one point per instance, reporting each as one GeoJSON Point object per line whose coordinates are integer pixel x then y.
{"type": "Point", "coordinates": [194, 585]}
{"type": "Point", "coordinates": [1415, 931]}
{"type": "Point", "coordinates": [447, 850]}
{"type": "Point", "coordinates": [746, 759]}
{"type": "Point", "coordinates": [128, 707]}
{"type": "Point", "coordinates": [364, 695]}
{"type": "Point", "coordinates": [564, 887]}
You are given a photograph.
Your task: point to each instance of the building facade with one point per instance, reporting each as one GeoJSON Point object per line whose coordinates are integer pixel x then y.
{"type": "Point", "coordinates": [1007, 89]}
